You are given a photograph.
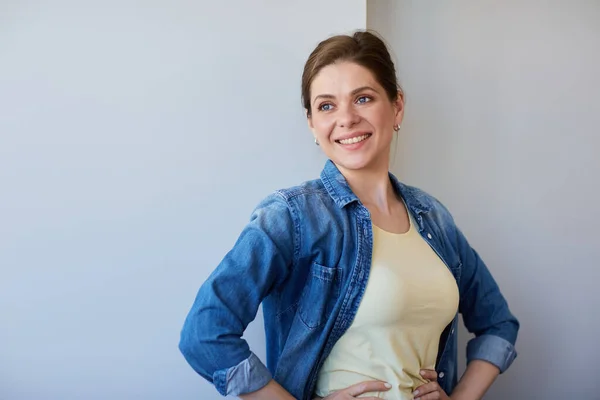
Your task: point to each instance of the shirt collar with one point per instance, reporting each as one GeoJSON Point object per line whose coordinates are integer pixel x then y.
{"type": "Point", "coordinates": [339, 190]}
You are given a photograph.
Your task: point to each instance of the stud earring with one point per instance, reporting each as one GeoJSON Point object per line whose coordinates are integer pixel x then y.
{"type": "Point", "coordinates": [316, 142]}
{"type": "Point", "coordinates": [397, 127]}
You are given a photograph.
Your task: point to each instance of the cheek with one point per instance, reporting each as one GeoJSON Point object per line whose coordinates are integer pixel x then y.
{"type": "Point", "coordinates": [323, 126]}
{"type": "Point", "coordinates": [383, 119]}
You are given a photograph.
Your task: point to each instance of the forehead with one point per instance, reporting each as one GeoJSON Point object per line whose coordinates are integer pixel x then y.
{"type": "Point", "coordinates": [341, 78]}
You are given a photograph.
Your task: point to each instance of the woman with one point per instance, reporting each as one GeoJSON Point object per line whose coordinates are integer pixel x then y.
{"type": "Point", "coordinates": [361, 277]}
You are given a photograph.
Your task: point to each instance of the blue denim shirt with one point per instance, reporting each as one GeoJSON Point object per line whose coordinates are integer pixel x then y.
{"type": "Point", "coordinates": [306, 255]}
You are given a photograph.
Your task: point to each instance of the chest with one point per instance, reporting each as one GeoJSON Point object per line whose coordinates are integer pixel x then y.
{"type": "Point", "coordinates": [408, 285]}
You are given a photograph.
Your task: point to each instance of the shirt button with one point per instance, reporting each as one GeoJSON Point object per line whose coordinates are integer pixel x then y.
{"type": "Point", "coordinates": [429, 235]}
{"type": "Point", "coordinates": [441, 375]}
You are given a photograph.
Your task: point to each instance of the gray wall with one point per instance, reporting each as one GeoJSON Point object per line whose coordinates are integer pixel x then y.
{"type": "Point", "coordinates": [501, 124]}
{"type": "Point", "coordinates": [135, 139]}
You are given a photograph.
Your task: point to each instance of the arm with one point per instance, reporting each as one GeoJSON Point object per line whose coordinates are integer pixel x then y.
{"type": "Point", "coordinates": [272, 391]}
{"type": "Point", "coordinates": [485, 311]}
{"type": "Point", "coordinates": [476, 380]}
{"type": "Point", "coordinates": [211, 338]}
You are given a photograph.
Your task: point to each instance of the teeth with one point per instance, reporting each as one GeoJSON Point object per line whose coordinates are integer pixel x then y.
{"type": "Point", "coordinates": [354, 140]}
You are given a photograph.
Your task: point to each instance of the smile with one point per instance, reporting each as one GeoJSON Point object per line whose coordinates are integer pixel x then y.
{"type": "Point", "coordinates": [353, 140]}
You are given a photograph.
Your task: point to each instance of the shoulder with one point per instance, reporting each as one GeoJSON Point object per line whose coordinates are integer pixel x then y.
{"type": "Point", "coordinates": [312, 188]}
{"type": "Point", "coordinates": [303, 197]}
{"type": "Point", "coordinates": [291, 200]}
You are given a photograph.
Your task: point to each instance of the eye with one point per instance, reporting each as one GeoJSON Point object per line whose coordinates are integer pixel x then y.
{"type": "Point", "coordinates": [326, 107]}
{"type": "Point", "coordinates": [363, 99]}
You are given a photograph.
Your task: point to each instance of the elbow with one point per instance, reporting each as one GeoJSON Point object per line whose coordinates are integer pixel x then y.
{"type": "Point", "coordinates": [191, 349]}
{"type": "Point", "coordinates": [515, 326]}
{"type": "Point", "coordinates": [506, 327]}
{"type": "Point", "coordinates": [186, 348]}
{"type": "Point", "coordinates": [507, 330]}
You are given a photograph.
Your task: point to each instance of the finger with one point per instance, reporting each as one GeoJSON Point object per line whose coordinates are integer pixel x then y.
{"type": "Point", "coordinates": [368, 386]}
{"type": "Point", "coordinates": [426, 388]}
{"type": "Point", "coordinates": [429, 374]}
{"type": "Point", "coordinates": [430, 396]}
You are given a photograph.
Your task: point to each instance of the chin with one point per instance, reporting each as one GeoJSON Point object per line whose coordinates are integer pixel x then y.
{"type": "Point", "coordinates": [353, 165]}
{"type": "Point", "coordinates": [366, 158]}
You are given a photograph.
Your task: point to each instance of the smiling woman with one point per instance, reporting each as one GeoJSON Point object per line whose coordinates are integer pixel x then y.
{"type": "Point", "coordinates": [352, 98]}
{"type": "Point", "coordinates": [361, 277]}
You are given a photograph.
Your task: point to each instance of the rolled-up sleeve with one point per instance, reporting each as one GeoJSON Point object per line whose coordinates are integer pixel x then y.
{"type": "Point", "coordinates": [248, 376]}
{"type": "Point", "coordinates": [211, 339]}
{"type": "Point", "coordinates": [493, 349]}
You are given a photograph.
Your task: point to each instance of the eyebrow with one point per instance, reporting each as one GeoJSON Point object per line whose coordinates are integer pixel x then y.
{"type": "Point", "coordinates": [352, 93]}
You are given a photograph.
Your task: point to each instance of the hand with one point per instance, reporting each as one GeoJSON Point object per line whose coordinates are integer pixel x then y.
{"type": "Point", "coordinates": [357, 390]}
{"type": "Point", "coordinates": [431, 390]}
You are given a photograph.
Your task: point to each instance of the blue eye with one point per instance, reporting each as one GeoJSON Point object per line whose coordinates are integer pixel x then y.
{"type": "Point", "coordinates": [325, 107]}
{"type": "Point", "coordinates": [363, 99]}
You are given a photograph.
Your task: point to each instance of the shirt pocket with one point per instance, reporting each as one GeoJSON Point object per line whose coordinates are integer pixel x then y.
{"type": "Point", "coordinates": [320, 294]}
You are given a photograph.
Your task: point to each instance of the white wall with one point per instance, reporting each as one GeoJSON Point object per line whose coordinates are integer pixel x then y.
{"type": "Point", "coordinates": [135, 139]}
{"type": "Point", "coordinates": [502, 125]}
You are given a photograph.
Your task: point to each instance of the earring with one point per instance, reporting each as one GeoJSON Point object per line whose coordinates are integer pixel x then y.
{"type": "Point", "coordinates": [316, 142]}
{"type": "Point", "coordinates": [397, 127]}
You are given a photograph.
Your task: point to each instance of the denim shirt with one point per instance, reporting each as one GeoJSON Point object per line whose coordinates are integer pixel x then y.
{"type": "Point", "coordinates": [305, 255]}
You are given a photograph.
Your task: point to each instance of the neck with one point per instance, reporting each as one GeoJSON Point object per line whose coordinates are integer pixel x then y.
{"type": "Point", "coordinates": [372, 187]}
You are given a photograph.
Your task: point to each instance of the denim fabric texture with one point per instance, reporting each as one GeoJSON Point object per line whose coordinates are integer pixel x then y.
{"type": "Point", "coordinates": [305, 255]}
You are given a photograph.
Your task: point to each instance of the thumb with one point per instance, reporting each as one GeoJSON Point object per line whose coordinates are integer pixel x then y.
{"type": "Point", "coordinates": [429, 374]}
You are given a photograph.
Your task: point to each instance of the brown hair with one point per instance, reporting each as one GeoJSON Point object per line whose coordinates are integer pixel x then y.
{"type": "Point", "coordinates": [364, 48]}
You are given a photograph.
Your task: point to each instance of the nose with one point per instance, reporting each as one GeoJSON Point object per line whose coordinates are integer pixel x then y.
{"type": "Point", "coordinates": [347, 116]}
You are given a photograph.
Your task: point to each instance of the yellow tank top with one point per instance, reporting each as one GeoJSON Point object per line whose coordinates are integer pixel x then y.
{"type": "Point", "coordinates": [410, 298]}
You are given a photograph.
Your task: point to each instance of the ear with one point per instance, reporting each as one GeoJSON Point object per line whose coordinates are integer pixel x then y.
{"type": "Point", "coordinates": [399, 107]}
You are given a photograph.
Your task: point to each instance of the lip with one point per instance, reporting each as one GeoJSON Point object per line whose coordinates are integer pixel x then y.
{"type": "Point", "coordinates": [353, 135]}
